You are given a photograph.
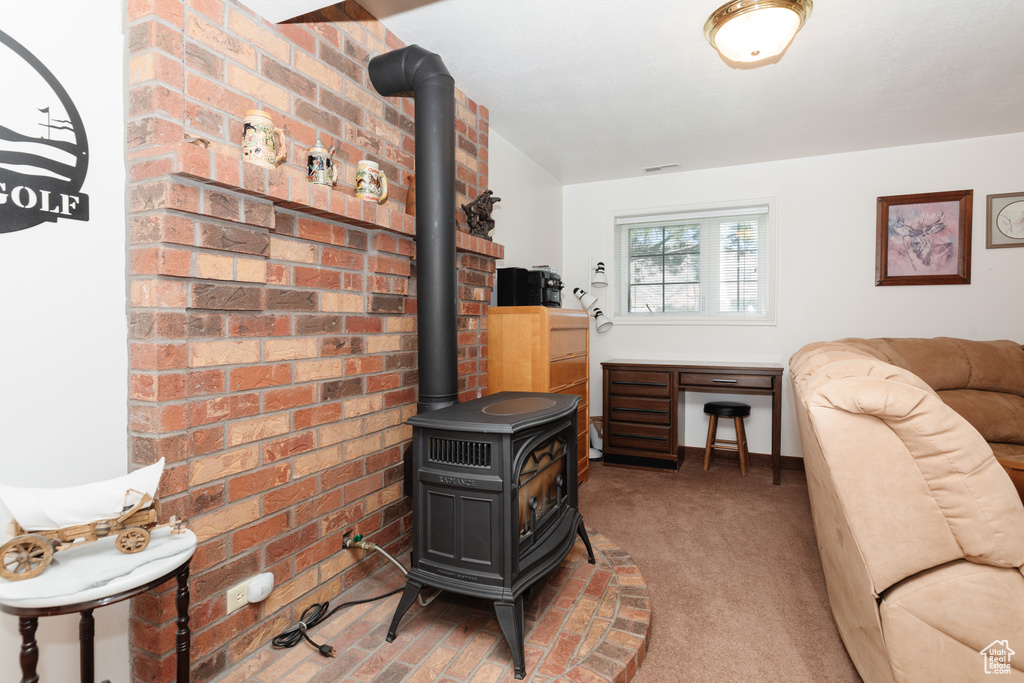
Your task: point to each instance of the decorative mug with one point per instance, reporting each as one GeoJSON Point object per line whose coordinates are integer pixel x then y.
{"type": "Point", "coordinates": [371, 183]}
{"type": "Point", "coordinates": [258, 147]}
{"type": "Point", "coordinates": [320, 168]}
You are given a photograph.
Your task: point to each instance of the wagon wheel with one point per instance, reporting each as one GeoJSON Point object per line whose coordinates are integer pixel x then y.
{"type": "Point", "coordinates": [25, 557]}
{"type": "Point", "coordinates": [132, 540]}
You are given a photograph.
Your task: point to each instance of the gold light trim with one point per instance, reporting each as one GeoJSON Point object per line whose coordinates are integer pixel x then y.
{"type": "Point", "coordinates": [753, 30]}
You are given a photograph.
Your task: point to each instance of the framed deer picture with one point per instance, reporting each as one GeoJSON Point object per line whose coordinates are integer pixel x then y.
{"type": "Point", "coordinates": [924, 239]}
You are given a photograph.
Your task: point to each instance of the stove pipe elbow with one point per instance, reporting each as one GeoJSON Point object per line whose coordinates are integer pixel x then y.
{"type": "Point", "coordinates": [403, 70]}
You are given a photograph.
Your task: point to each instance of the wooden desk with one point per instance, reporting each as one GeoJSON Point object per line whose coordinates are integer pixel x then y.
{"type": "Point", "coordinates": [641, 400]}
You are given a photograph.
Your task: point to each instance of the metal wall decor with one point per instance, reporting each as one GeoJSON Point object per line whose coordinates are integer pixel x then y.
{"type": "Point", "coordinates": [43, 146]}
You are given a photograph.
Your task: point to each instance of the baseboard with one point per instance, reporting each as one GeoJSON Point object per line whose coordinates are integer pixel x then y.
{"type": "Point", "coordinates": [788, 462]}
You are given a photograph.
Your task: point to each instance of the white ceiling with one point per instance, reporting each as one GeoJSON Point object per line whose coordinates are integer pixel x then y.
{"type": "Point", "coordinates": [597, 90]}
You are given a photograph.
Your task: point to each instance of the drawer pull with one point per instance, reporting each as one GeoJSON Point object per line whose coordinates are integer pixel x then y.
{"type": "Point", "coordinates": [640, 384]}
{"type": "Point", "coordinates": [642, 410]}
{"type": "Point", "coordinates": [725, 381]}
{"type": "Point", "coordinates": [640, 436]}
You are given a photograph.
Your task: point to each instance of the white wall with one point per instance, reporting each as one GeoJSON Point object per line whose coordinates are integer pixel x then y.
{"type": "Point", "coordinates": [826, 260]}
{"type": "Point", "coordinates": [63, 403]}
{"type": "Point", "coordinates": [528, 219]}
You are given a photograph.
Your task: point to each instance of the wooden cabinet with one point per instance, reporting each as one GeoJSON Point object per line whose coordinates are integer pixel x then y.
{"type": "Point", "coordinates": [535, 348]}
{"type": "Point", "coordinates": [640, 416]}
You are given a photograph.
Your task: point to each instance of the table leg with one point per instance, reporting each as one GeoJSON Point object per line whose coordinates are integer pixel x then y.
{"type": "Point", "coordinates": [86, 633]}
{"type": "Point", "coordinates": [29, 650]}
{"type": "Point", "coordinates": [777, 432]}
{"type": "Point", "coordinates": [183, 635]}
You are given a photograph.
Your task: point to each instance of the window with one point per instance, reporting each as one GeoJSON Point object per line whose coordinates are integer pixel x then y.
{"type": "Point", "coordinates": [702, 265]}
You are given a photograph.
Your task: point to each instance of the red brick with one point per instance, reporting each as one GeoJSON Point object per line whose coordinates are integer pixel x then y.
{"type": "Point", "coordinates": [244, 485]}
{"type": "Point", "coordinates": [289, 446]}
{"type": "Point", "coordinates": [311, 417]}
{"type": "Point", "coordinates": [287, 496]}
{"type": "Point", "coordinates": [260, 532]}
{"type": "Point", "coordinates": [290, 397]}
{"type": "Point", "coordinates": [260, 376]}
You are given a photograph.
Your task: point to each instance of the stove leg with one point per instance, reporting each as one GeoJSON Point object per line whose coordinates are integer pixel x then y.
{"type": "Point", "coordinates": [510, 618]}
{"type": "Point", "coordinates": [412, 589]}
{"type": "Point", "coordinates": [582, 531]}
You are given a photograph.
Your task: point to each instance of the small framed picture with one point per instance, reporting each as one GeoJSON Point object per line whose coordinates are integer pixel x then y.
{"type": "Point", "coordinates": [1005, 225]}
{"type": "Point", "coordinates": [924, 239]}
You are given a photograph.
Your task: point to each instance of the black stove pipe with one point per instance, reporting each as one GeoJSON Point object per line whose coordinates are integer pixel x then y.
{"type": "Point", "coordinates": [413, 68]}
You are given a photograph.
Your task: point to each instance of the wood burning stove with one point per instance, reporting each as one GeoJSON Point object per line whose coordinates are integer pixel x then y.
{"type": "Point", "coordinates": [493, 481]}
{"type": "Point", "coordinates": [494, 501]}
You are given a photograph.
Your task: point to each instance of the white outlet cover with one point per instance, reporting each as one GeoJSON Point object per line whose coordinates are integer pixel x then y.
{"type": "Point", "coordinates": [260, 587]}
{"type": "Point", "coordinates": [238, 596]}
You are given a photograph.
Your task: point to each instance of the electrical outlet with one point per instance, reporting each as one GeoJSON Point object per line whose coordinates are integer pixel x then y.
{"type": "Point", "coordinates": [238, 596]}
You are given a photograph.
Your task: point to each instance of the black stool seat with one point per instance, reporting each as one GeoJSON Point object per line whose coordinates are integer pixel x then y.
{"type": "Point", "coordinates": [727, 408]}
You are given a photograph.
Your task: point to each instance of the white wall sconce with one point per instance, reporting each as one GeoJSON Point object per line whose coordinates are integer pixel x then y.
{"type": "Point", "coordinates": [600, 279]}
{"type": "Point", "coordinates": [586, 300]}
{"type": "Point", "coordinates": [603, 323]}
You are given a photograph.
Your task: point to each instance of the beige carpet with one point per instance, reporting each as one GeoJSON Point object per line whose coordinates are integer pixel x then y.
{"type": "Point", "coordinates": [732, 568]}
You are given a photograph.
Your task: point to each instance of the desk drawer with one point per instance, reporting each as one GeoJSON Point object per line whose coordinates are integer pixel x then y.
{"type": "Point", "coordinates": [725, 380]}
{"type": "Point", "coordinates": [638, 383]}
{"type": "Point", "coordinates": [646, 410]}
{"type": "Point", "coordinates": [637, 436]}
{"type": "Point", "coordinates": [568, 371]}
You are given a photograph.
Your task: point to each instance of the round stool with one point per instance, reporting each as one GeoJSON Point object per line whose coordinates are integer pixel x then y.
{"type": "Point", "coordinates": [737, 411]}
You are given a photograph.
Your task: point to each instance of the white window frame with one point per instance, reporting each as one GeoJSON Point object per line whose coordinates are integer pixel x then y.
{"type": "Point", "coordinates": [619, 283]}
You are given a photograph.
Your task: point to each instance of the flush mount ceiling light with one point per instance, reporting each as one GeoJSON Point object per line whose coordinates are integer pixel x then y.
{"type": "Point", "coordinates": [753, 30]}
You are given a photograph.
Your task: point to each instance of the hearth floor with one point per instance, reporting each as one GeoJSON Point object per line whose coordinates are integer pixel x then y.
{"type": "Point", "coordinates": [584, 623]}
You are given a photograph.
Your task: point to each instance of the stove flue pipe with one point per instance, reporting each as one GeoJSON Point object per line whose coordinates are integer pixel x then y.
{"type": "Point", "coordinates": [423, 72]}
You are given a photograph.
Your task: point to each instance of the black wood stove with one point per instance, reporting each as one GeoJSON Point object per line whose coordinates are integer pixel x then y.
{"type": "Point", "coordinates": [494, 501]}
{"type": "Point", "coordinates": [493, 480]}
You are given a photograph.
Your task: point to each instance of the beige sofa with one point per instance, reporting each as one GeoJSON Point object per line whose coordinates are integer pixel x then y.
{"type": "Point", "coordinates": [920, 530]}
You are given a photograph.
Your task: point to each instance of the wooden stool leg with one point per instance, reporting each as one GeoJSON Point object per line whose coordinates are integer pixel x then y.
{"type": "Point", "coordinates": [183, 636]}
{"type": "Point", "coordinates": [741, 445]}
{"type": "Point", "coordinates": [712, 431]}
{"type": "Point", "coordinates": [29, 649]}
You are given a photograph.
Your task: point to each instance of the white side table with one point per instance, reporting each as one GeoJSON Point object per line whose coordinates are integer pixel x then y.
{"type": "Point", "coordinates": [81, 579]}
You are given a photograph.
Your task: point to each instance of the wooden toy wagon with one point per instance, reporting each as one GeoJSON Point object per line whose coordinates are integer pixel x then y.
{"type": "Point", "coordinates": [48, 520]}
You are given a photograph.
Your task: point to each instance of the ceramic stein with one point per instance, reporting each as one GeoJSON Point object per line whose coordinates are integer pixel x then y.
{"type": "Point", "coordinates": [371, 183]}
{"type": "Point", "coordinates": [320, 168]}
{"type": "Point", "coordinates": [258, 146]}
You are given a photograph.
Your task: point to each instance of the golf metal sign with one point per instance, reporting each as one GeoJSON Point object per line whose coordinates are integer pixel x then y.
{"type": "Point", "coordinates": [44, 153]}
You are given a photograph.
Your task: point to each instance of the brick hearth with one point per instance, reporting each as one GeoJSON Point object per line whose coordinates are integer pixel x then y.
{"type": "Point", "coordinates": [584, 623]}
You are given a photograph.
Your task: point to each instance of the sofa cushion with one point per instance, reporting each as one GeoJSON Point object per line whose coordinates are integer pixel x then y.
{"type": "Point", "coordinates": [936, 623]}
{"type": "Point", "coordinates": [998, 416]}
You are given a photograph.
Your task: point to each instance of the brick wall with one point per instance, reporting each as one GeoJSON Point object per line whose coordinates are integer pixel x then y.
{"type": "Point", "coordinates": [272, 323]}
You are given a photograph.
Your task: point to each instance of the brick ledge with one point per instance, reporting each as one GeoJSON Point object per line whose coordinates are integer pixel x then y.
{"type": "Point", "coordinates": [288, 188]}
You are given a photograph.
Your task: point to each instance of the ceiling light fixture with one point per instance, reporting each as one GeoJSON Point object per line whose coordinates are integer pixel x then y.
{"type": "Point", "coordinates": [753, 30]}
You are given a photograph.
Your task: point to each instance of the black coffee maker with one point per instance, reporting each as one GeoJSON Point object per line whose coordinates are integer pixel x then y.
{"type": "Point", "coordinates": [533, 287]}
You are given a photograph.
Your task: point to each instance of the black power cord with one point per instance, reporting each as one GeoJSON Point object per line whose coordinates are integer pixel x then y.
{"type": "Point", "coordinates": [314, 615]}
